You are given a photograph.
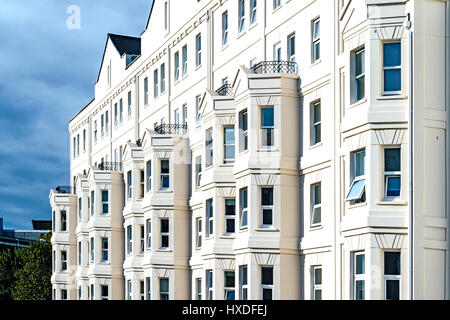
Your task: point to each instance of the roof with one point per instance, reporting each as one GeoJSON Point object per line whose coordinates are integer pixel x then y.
{"type": "Point", "coordinates": [82, 110]}
{"type": "Point", "coordinates": [150, 14]}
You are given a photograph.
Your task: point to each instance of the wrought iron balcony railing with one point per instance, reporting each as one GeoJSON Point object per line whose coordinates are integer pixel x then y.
{"type": "Point", "coordinates": [110, 166]}
{"type": "Point", "coordinates": [225, 90]}
{"type": "Point", "coordinates": [277, 66]}
{"type": "Point", "coordinates": [64, 189]}
{"type": "Point", "coordinates": [179, 129]}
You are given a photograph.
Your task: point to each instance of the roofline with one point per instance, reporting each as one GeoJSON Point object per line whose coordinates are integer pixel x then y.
{"type": "Point", "coordinates": [150, 14]}
{"type": "Point", "coordinates": [82, 110]}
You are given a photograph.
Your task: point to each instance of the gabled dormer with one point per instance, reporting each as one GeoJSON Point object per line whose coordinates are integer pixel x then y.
{"type": "Point", "coordinates": [119, 53]}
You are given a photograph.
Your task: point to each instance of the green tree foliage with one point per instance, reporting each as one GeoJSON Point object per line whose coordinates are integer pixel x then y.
{"type": "Point", "coordinates": [33, 269]}
{"type": "Point", "coordinates": [7, 270]}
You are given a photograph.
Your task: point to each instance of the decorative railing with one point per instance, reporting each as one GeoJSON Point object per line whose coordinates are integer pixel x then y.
{"type": "Point", "coordinates": [225, 90]}
{"type": "Point", "coordinates": [179, 129]}
{"type": "Point", "coordinates": [110, 166]}
{"type": "Point", "coordinates": [277, 66]}
{"type": "Point", "coordinates": [64, 189]}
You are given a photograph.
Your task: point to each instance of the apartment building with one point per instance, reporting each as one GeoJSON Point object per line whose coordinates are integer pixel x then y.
{"type": "Point", "coordinates": [263, 149]}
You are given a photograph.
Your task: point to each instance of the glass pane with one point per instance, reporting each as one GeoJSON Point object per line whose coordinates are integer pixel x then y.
{"type": "Point", "coordinates": [229, 295]}
{"type": "Point", "coordinates": [267, 275]}
{"type": "Point", "coordinates": [164, 285]}
{"type": "Point", "coordinates": [165, 182]}
{"type": "Point", "coordinates": [392, 263]}
{"type": "Point", "coordinates": [164, 166]}
{"type": "Point", "coordinates": [244, 294]}
{"type": "Point", "coordinates": [229, 135]}
{"type": "Point", "coordinates": [317, 276]}
{"type": "Point", "coordinates": [392, 289]}
{"type": "Point", "coordinates": [358, 162]}
{"type": "Point", "coordinates": [317, 215]}
{"type": "Point", "coordinates": [243, 198]}
{"type": "Point", "coordinates": [267, 196]}
{"type": "Point", "coordinates": [359, 290]}
{"type": "Point", "coordinates": [316, 113]}
{"type": "Point", "coordinates": [316, 29]}
{"type": "Point", "coordinates": [316, 51]}
{"type": "Point", "coordinates": [229, 152]}
{"type": "Point", "coordinates": [164, 225]}
{"type": "Point", "coordinates": [267, 137]}
{"type": "Point", "coordinates": [244, 121]}
{"type": "Point", "coordinates": [317, 133]}
{"type": "Point", "coordinates": [209, 208]}
{"type": "Point", "coordinates": [317, 294]}
{"type": "Point", "coordinates": [391, 54]}
{"type": "Point", "coordinates": [359, 264]}
{"type": "Point", "coordinates": [267, 216]}
{"type": "Point", "coordinates": [267, 119]}
{"type": "Point", "coordinates": [230, 225]}
{"type": "Point", "coordinates": [360, 88]}
{"type": "Point", "coordinates": [357, 188]}
{"type": "Point", "coordinates": [105, 208]}
{"type": "Point", "coordinates": [230, 207]}
{"type": "Point", "coordinates": [229, 279]}
{"type": "Point", "coordinates": [360, 63]}
{"type": "Point", "coordinates": [393, 186]}
{"type": "Point", "coordinates": [165, 241]}
{"type": "Point", "coordinates": [243, 275]}
{"type": "Point", "coordinates": [105, 196]}
{"type": "Point", "coordinates": [267, 294]}
{"type": "Point", "coordinates": [316, 194]}
{"type": "Point", "coordinates": [392, 159]}
{"type": "Point", "coordinates": [392, 80]}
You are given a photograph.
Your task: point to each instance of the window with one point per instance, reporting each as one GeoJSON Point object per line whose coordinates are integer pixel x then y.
{"type": "Point", "coordinates": [392, 172]}
{"type": "Point", "coordinates": [92, 202]}
{"type": "Point", "coordinates": [252, 11]}
{"type": "Point", "coordinates": [63, 294]}
{"type": "Point", "coordinates": [185, 63]}
{"type": "Point", "coordinates": [63, 220]}
{"type": "Point", "coordinates": [64, 260]}
{"type": "Point", "coordinates": [230, 214]}
{"type": "Point", "coordinates": [317, 283]}
{"type": "Point", "coordinates": [104, 292]}
{"type": "Point", "coordinates": [105, 202]}
{"type": "Point", "coordinates": [198, 237]}
{"type": "Point", "coordinates": [243, 208]}
{"type": "Point", "coordinates": [315, 40]}
{"type": "Point", "coordinates": [79, 253]}
{"type": "Point", "coordinates": [392, 275]}
{"type": "Point", "coordinates": [78, 144]}
{"type": "Point", "coordinates": [291, 47]}
{"type": "Point", "coordinates": [53, 221]}
{"type": "Point", "coordinates": [84, 140]}
{"type": "Point", "coordinates": [74, 147]}
{"type": "Point", "coordinates": [228, 286]}
{"type": "Point", "coordinates": [109, 76]}
{"type": "Point", "coordinates": [149, 233]}
{"type": "Point", "coordinates": [163, 78]}
{"type": "Point", "coordinates": [95, 132]}
{"type": "Point", "coordinates": [359, 281]}
{"type": "Point", "coordinates": [266, 206]}
{"type": "Point", "coordinates": [149, 288]}
{"type": "Point", "coordinates": [164, 229]}
{"type": "Point", "coordinates": [209, 217]}
{"type": "Point", "coordinates": [80, 209]}
{"type": "Point", "coordinates": [185, 114]}
{"type": "Point", "coordinates": [176, 57]}
{"type": "Point", "coordinates": [276, 4]}
{"type": "Point", "coordinates": [243, 130]}
{"type": "Point", "coordinates": [198, 171]}
{"type": "Point", "coordinates": [316, 205]}
{"type": "Point", "coordinates": [357, 171]}
{"type": "Point", "coordinates": [209, 284]}
{"type": "Point", "coordinates": [79, 292]}
{"type": "Point", "coordinates": [164, 289]}
{"type": "Point", "coordinates": [129, 104]}
{"type": "Point", "coordinates": [267, 283]}
{"type": "Point", "coordinates": [116, 115]}
{"type": "Point", "coordinates": [198, 50]}
{"type": "Point", "coordinates": [267, 127]}
{"type": "Point", "coordinates": [209, 147]}
{"type": "Point", "coordinates": [92, 257]}
{"type": "Point", "coordinates": [141, 289]}
{"type": "Point", "coordinates": [129, 240]}
{"type": "Point", "coordinates": [392, 68]}
{"type": "Point", "coordinates": [166, 15]}
{"type": "Point", "coordinates": [198, 100]}
{"type": "Point", "coordinates": [155, 83]}
{"type": "Point", "coordinates": [176, 116]}
{"type": "Point", "coordinates": [141, 183]}
{"type": "Point", "coordinates": [104, 257]}
{"type": "Point", "coordinates": [129, 289]}
{"type": "Point", "coordinates": [316, 123]}
{"type": "Point", "coordinates": [54, 261]}
{"type": "Point", "coordinates": [243, 283]}
{"type": "Point", "coordinates": [146, 91]}
{"type": "Point", "coordinates": [142, 243]}
{"type": "Point", "coordinates": [198, 282]}
{"type": "Point", "coordinates": [92, 292]}
{"type": "Point", "coordinates": [149, 175]}
{"type": "Point", "coordinates": [277, 52]}
{"type": "Point", "coordinates": [107, 121]}
{"type": "Point", "coordinates": [102, 125]}
{"type": "Point", "coordinates": [358, 85]}
{"type": "Point", "coordinates": [241, 11]}
{"type": "Point", "coordinates": [120, 110]}
{"type": "Point", "coordinates": [129, 185]}
{"type": "Point", "coordinates": [164, 183]}
{"type": "Point", "coordinates": [224, 28]}
{"type": "Point", "coordinates": [228, 145]}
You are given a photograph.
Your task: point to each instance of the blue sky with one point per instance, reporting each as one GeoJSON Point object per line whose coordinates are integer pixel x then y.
{"type": "Point", "coordinates": [47, 74]}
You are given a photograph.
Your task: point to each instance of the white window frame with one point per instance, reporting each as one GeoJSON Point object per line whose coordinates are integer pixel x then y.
{"type": "Point", "coordinates": [243, 286]}
{"type": "Point", "coordinates": [141, 183]}
{"type": "Point", "coordinates": [209, 218]}
{"type": "Point", "coordinates": [95, 131]}
{"type": "Point", "coordinates": [106, 122]}
{"type": "Point", "coordinates": [129, 290]}
{"type": "Point", "coordinates": [155, 83]}
{"type": "Point", "coordinates": [266, 207]}
{"type": "Point", "coordinates": [209, 275]}
{"type": "Point", "coordinates": [198, 50]}
{"type": "Point", "coordinates": [129, 185]}
{"type": "Point", "coordinates": [163, 78]}
{"type": "Point", "coordinates": [164, 234]}
{"type": "Point", "coordinates": [185, 114]}
{"type": "Point", "coordinates": [146, 91]}
{"type": "Point", "coordinates": [241, 16]}
{"type": "Point", "coordinates": [105, 202]}
{"type": "Point", "coordinates": [291, 47]}
{"type": "Point", "coordinates": [84, 140]}
{"type": "Point", "coordinates": [104, 297]}
{"type": "Point", "coordinates": [356, 76]}
{"type": "Point", "coordinates": [265, 286]}
{"type": "Point", "coordinates": [129, 239]}
{"type": "Point", "coordinates": [229, 217]}
{"type": "Point", "coordinates": [142, 239]}
{"type": "Point", "coordinates": [397, 67]}
{"type": "Point", "coordinates": [276, 4]}
{"type": "Point", "coordinates": [142, 289]}
{"type": "Point", "coordinates": [243, 210]}
{"type": "Point", "coordinates": [228, 144]}
{"type": "Point", "coordinates": [176, 58]}
{"type": "Point", "coordinates": [198, 171]}
{"type": "Point", "coordinates": [148, 225]}
{"type": "Point", "coordinates": [184, 59]}
{"type": "Point", "coordinates": [120, 110]}
{"type": "Point", "coordinates": [227, 290]}
{"type": "Point", "coordinates": [148, 175]}
{"type": "Point", "coordinates": [198, 232]}
{"type": "Point", "coordinates": [148, 284]}
{"type": "Point", "coordinates": [129, 104]}
{"type": "Point", "coordinates": [316, 287]}
{"type": "Point", "coordinates": [176, 116]}
{"type": "Point", "coordinates": [266, 129]}
{"type": "Point", "coordinates": [163, 175]}
{"type": "Point", "coordinates": [116, 121]}
{"type": "Point", "coordinates": [91, 250]}
{"type": "Point", "coordinates": [316, 123]}
{"type": "Point", "coordinates": [198, 100]}
{"type": "Point", "coordinates": [104, 250]}
{"type": "Point", "coordinates": [253, 10]}
{"type": "Point", "coordinates": [315, 40]}
{"type": "Point", "coordinates": [198, 283]}
{"type": "Point", "coordinates": [356, 179]}
{"type": "Point", "coordinates": [93, 203]}
{"type": "Point", "coordinates": [360, 276]}
{"type": "Point", "coordinates": [392, 277]}
{"type": "Point", "coordinates": [80, 209]}
{"type": "Point", "coordinates": [243, 134]}
{"type": "Point", "coordinates": [315, 207]}
{"type": "Point", "coordinates": [161, 293]}
{"type": "Point", "coordinates": [63, 256]}
{"type": "Point", "coordinates": [224, 28]}
{"type": "Point", "coordinates": [391, 174]}
{"type": "Point", "coordinates": [209, 148]}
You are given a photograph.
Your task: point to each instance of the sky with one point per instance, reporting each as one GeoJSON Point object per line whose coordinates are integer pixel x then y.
{"type": "Point", "coordinates": [50, 55]}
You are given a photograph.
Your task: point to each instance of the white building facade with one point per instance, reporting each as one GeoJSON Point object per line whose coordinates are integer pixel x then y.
{"type": "Point", "coordinates": [263, 149]}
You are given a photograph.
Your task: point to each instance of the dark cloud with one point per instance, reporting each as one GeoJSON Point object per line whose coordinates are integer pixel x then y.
{"type": "Point", "coordinates": [47, 75]}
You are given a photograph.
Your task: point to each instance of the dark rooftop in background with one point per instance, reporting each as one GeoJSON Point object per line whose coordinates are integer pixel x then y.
{"type": "Point", "coordinates": [126, 44]}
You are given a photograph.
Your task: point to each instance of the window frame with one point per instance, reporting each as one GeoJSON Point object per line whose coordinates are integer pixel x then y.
{"type": "Point", "coordinates": [164, 233]}
{"type": "Point", "coordinates": [209, 204]}
{"type": "Point", "coordinates": [105, 203]}
{"type": "Point", "coordinates": [316, 132]}
{"type": "Point", "coordinates": [209, 284]}
{"type": "Point", "coordinates": [231, 217]}
{"type": "Point", "coordinates": [243, 211]}
{"type": "Point", "coordinates": [266, 129]}
{"type": "Point", "coordinates": [224, 28]}
{"type": "Point", "coordinates": [176, 69]}
{"type": "Point", "coordinates": [357, 77]}
{"type": "Point", "coordinates": [316, 206]}
{"type": "Point", "coordinates": [316, 287]}
{"type": "Point", "coordinates": [184, 57]}
{"type": "Point", "coordinates": [148, 225]}
{"type": "Point", "coordinates": [209, 148]}
{"type": "Point", "coordinates": [265, 286]}
{"type": "Point", "coordinates": [198, 171]}
{"type": "Point", "coordinates": [253, 11]}
{"type": "Point", "coordinates": [315, 40]}
{"type": "Point", "coordinates": [243, 285]}
{"type": "Point", "coordinates": [164, 175]}
{"type": "Point", "coordinates": [63, 264]}
{"type": "Point", "coordinates": [385, 68]}
{"type": "Point", "coordinates": [164, 293]}
{"type": "Point", "coordinates": [243, 134]}
{"type": "Point", "coordinates": [226, 143]}
{"type": "Point", "coordinates": [104, 250]}
{"type": "Point", "coordinates": [291, 47]}
{"type": "Point", "coordinates": [391, 174]}
{"type": "Point", "coordinates": [129, 240]}
{"type": "Point", "coordinates": [148, 175]}
{"type": "Point", "coordinates": [356, 277]}
{"type": "Point", "coordinates": [146, 100]}
{"type": "Point", "coordinates": [392, 277]}
{"type": "Point", "coordinates": [198, 50]}
{"type": "Point", "coordinates": [155, 83]}
{"type": "Point", "coordinates": [198, 232]}
{"type": "Point", "coordinates": [359, 198]}
{"type": "Point", "coordinates": [241, 16]}
{"type": "Point", "coordinates": [163, 78]}
{"type": "Point", "coordinates": [266, 207]}
{"type": "Point", "coordinates": [63, 220]}
{"type": "Point", "coordinates": [226, 289]}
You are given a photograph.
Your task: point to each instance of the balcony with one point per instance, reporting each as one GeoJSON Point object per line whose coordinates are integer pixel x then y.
{"type": "Point", "coordinates": [64, 189]}
{"type": "Point", "coordinates": [110, 166]}
{"type": "Point", "coordinates": [179, 129]}
{"type": "Point", "coordinates": [277, 66]}
{"type": "Point", "coordinates": [225, 90]}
